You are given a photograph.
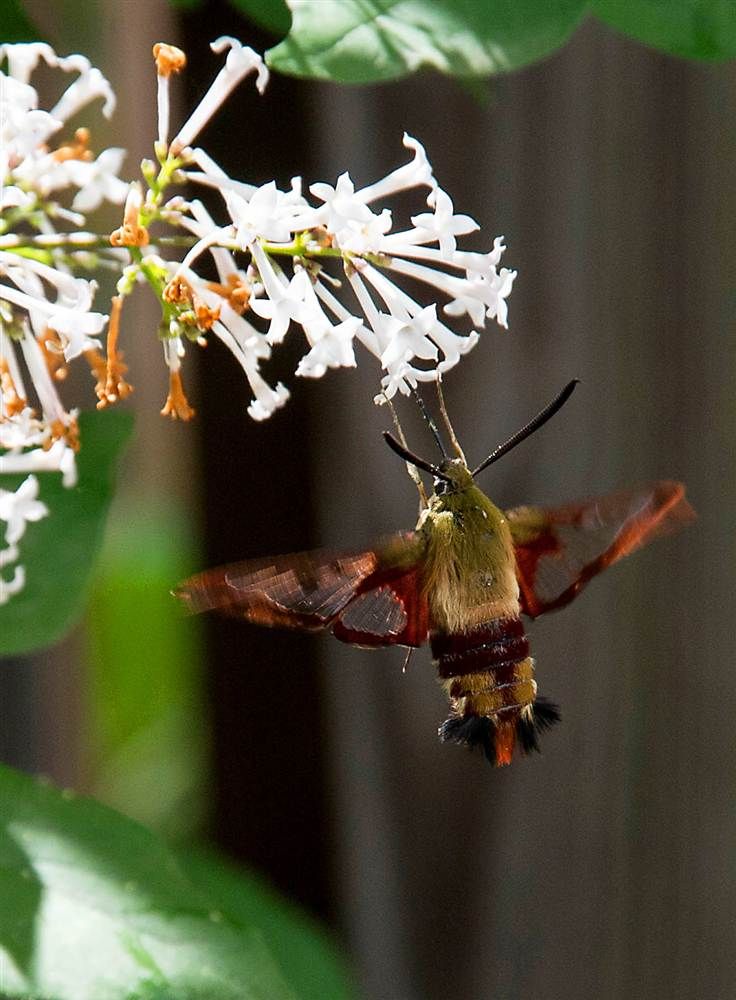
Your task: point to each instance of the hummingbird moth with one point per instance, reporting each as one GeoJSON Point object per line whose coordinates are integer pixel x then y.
{"type": "Point", "coordinates": [461, 579]}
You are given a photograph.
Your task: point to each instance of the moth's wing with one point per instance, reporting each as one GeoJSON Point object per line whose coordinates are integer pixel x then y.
{"type": "Point", "coordinates": [366, 597]}
{"type": "Point", "coordinates": [559, 549]}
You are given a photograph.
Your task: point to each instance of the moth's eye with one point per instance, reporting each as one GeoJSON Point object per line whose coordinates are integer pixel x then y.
{"type": "Point", "coordinates": [441, 486]}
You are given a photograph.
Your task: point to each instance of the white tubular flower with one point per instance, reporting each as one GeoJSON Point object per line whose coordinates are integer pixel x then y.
{"type": "Point", "coordinates": [418, 173]}
{"type": "Point", "coordinates": [20, 508]}
{"type": "Point", "coordinates": [484, 290]}
{"type": "Point", "coordinates": [69, 315]}
{"type": "Point", "coordinates": [347, 217]}
{"type": "Point", "coordinates": [333, 348]}
{"type": "Point", "coordinates": [442, 225]}
{"type": "Point", "coordinates": [267, 400]}
{"type": "Point", "coordinates": [90, 85]}
{"type": "Point", "coordinates": [240, 61]}
{"type": "Point", "coordinates": [98, 180]}
{"type": "Point", "coordinates": [284, 302]}
{"type": "Point", "coordinates": [23, 57]}
{"type": "Point", "coordinates": [265, 215]}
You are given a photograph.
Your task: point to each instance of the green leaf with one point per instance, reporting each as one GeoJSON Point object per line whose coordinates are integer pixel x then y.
{"type": "Point", "coordinates": [94, 907]}
{"type": "Point", "coordinates": [58, 552]}
{"type": "Point", "coordinates": [273, 15]}
{"type": "Point", "coordinates": [360, 41]}
{"type": "Point", "coordinates": [305, 955]}
{"type": "Point", "coordinates": [14, 25]}
{"type": "Point", "coordinates": [697, 29]}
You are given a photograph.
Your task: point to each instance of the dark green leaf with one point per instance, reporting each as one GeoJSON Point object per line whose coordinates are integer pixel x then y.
{"type": "Point", "coordinates": [359, 41]}
{"type": "Point", "coordinates": [94, 907]}
{"type": "Point", "coordinates": [273, 15]}
{"type": "Point", "coordinates": [58, 552]}
{"type": "Point", "coordinates": [14, 25]}
{"type": "Point", "coordinates": [698, 29]}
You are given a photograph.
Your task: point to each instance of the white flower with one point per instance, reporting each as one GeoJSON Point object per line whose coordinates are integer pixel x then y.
{"type": "Point", "coordinates": [98, 180]}
{"type": "Point", "coordinates": [332, 348]}
{"type": "Point", "coordinates": [20, 507]}
{"type": "Point", "coordinates": [58, 458]}
{"type": "Point", "coordinates": [355, 227]}
{"type": "Point", "coordinates": [443, 225]}
{"type": "Point", "coordinates": [240, 61]}
{"type": "Point", "coordinates": [265, 215]}
{"type": "Point", "coordinates": [87, 87]}
{"type": "Point", "coordinates": [418, 173]}
{"type": "Point", "coordinates": [410, 339]}
{"type": "Point", "coordinates": [267, 400]}
{"type": "Point", "coordinates": [285, 302]}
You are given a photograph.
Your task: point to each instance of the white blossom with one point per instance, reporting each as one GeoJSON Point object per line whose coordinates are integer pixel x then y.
{"type": "Point", "coordinates": [240, 61]}
{"type": "Point", "coordinates": [20, 508]}
{"type": "Point", "coordinates": [443, 225]}
{"type": "Point", "coordinates": [265, 215]}
{"type": "Point", "coordinates": [98, 180]}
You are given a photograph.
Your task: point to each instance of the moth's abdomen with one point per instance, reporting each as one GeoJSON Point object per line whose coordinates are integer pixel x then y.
{"type": "Point", "coordinates": [489, 678]}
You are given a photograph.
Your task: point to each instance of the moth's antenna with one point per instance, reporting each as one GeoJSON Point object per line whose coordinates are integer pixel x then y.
{"type": "Point", "coordinates": [446, 418]}
{"type": "Point", "coordinates": [409, 456]}
{"type": "Point", "coordinates": [541, 418]}
{"type": "Point", "coordinates": [432, 425]}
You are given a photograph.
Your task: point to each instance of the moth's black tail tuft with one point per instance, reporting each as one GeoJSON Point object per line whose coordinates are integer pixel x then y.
{"type": "Point", "coordinates": [473, 730]}
{"type": "Point", "coordinates": [543, 716]}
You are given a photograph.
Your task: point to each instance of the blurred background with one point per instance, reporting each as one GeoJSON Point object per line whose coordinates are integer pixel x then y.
{"type": "Point", "coordinates": [604, 867]}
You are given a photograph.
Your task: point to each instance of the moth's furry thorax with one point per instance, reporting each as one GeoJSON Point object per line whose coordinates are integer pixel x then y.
{"type": "Point", "coordinates": [469, 573]}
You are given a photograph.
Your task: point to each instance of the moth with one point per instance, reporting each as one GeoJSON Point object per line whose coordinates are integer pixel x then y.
{"type": "Point", "coordinates": [462, 580]}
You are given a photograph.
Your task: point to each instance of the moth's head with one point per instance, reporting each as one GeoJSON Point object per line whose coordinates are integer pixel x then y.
{"type": "Point", "coordinates": [455, 477]}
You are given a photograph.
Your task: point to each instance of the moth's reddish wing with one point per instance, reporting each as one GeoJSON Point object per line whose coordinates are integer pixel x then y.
{"type": "Point", "coordinates": [370, 598]}
{"type": "Point", "coordinates": [559, 549]}
{"type": "Point", "coordinates": [390, 609]}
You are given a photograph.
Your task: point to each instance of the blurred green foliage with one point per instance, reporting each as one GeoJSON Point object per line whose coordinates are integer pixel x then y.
{"type": "Point", "coordinates": [146, 744]}
{"type": "Point", "coordinates": [95, 907]}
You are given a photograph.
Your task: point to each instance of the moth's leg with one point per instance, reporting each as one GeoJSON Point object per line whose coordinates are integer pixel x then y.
{"type": "Point", "coordinates": [411, 469]}
{"type": "Point", "coordinates": [446, 421]}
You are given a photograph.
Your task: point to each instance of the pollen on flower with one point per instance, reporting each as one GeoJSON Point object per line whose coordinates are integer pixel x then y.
{"type": "Point", "coordinates": [178, 291]}
{"type": "Point", "coordinates": [76, 150]}
{"type": "Point", "coordinates": [169, 59]}
{"type": "Point", "coordinates": [205, 315]}
{"type": "Point", "coordinates": [177, 405]}
{"type": "Point", "coordinates": [12, 402]}
{"type": "Point", "coordinates": [66, 430]}
{"type": "Point", "coordinates": [98, 367]}
{"type": "Point", "coordinates": [131, 233]}
{"type": "Point", "coordinates": [235, 289]}
{"type": "Point", "coordinates": [53, 354]}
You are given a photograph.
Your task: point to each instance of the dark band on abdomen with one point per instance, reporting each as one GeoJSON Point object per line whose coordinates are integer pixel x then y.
{"type": "Point", "coordinates": [494, 644]}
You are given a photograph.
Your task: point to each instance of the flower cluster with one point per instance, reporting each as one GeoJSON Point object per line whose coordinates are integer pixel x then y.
{"type": "Point", "coordinates": [332, 266]}
{"type": "Point", "coordinates": [46, 317]}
